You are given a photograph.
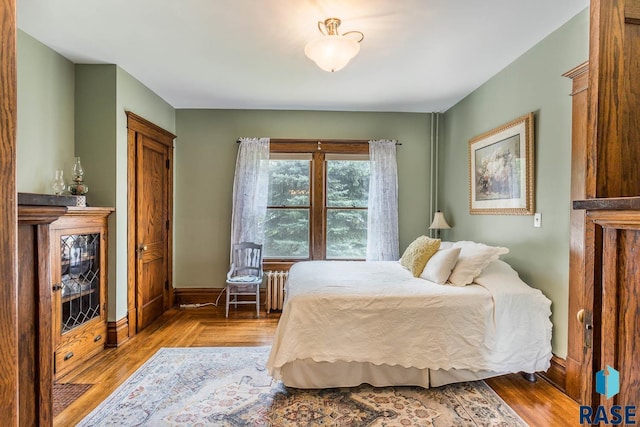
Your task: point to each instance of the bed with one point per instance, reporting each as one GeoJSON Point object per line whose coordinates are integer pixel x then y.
{"type": "Point", "coordinates": [347, 323]}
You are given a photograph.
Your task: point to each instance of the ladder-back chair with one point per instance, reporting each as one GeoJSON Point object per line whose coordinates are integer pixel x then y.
{"type": "Point", "coordinates": [245, 275]}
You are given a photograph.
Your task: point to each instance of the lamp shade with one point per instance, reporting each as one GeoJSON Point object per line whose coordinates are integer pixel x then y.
{"type": "Point", "coordinates": [439, 223]}
{"type": "Point", "coordinates": [332, 52]}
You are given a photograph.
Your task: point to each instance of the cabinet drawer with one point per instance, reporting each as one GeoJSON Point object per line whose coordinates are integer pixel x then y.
{"type": "Point", "coordinates": [78, 345]}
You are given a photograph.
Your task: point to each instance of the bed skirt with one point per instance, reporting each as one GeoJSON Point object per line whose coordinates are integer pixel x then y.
{"type": "Point", "coordinates": [309, 374]}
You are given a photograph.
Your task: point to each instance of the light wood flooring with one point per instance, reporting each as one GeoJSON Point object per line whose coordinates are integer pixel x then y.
{"type": "Point", "coordinates": [539, 404]}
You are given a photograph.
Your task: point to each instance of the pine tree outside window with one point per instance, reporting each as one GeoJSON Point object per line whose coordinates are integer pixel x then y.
{"type": "Point", "coordinates": [317, 201]}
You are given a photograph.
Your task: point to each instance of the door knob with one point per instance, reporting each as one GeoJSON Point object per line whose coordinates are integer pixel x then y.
{"type": "Point", "coordinates": [141, 249]}
{"type": "Point", "coordinates": [580, 315]}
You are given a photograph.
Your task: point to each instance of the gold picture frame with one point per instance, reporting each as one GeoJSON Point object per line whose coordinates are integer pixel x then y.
{"type": "Point", "coordinates": [501, 170]}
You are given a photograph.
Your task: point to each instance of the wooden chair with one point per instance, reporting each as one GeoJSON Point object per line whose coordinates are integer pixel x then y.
{"type": "Point", "coordinates": [245, 275]}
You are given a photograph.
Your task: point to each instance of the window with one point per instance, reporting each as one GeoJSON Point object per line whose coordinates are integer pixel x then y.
{"type": "Point", "coordinates": [287, 227]}
{"type": "Point", "coordinates": [317, 202]}
{"type": "Point", "coordinates": [347, 194]}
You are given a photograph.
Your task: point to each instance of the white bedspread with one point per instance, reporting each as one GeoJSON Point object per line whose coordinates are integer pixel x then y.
{"type": "Point", "coordinates": [378, 312]}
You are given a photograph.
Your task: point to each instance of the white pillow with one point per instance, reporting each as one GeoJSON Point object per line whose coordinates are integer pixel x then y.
{"type": "Point", "coordinates": [446, 245]}
{"type": "Point", "coordinates": [473, 258]}
{"type": "Point", "coordinates": [439, 266]}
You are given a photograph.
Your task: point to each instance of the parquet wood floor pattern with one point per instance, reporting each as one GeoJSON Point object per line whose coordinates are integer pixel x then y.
{"type": "Point", "coordinates": [539, 404]}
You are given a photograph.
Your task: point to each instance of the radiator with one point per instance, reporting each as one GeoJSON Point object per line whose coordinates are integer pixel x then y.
{"type": "Point", "coordinates": [275, 289]}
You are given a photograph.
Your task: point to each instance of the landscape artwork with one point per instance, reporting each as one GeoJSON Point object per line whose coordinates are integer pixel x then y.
{"type": "Point", "coordinates": [501, 169]}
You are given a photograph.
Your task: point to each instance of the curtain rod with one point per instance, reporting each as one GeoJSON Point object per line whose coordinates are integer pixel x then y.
{"type": "Point", "coordinates": [351, 141]}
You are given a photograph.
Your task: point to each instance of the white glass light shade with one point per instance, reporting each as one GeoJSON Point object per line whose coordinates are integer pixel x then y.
{"type": "Point", "coordinates": [439, 223]}
{"type": "Point", "coordinates": [333, 52]}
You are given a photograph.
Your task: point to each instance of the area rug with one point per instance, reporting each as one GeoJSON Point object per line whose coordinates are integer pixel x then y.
{"type": "Point", "coordinates": [65, 394]}
{"type": "Point", "coordinates": [229, 386]}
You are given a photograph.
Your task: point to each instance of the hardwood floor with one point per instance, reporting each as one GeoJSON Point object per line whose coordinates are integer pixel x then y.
{"type": "Point", "coordinates": [539, 404]}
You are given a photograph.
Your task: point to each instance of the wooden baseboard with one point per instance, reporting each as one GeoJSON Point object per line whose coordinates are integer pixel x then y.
{"type": "Point", "coordinates": [557, 373]}
{"type": "Point", "coordinates": [203, 296]}
{"type": "Point", "coordinates": [117, 332]}
{"type": "Point", "coordinates": [196, 295]}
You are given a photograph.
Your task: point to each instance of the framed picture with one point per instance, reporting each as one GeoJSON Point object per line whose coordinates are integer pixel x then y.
{"type": "Point", "coordinates": [501, 170]}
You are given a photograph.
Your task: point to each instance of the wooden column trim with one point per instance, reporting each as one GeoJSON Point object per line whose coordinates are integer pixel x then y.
{"type": "Point", "coordinates": [45, 340]}
{"type": "Point", "coordinates": [8, 217]}
{"type": "Point", "coordinates": [572, 366]}
{"type": "Point", "coordinates": [131, 232]}
{"type": "Point", "coordinates": [117, 332]}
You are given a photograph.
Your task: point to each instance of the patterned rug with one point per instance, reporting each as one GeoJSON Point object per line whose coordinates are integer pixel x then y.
{"type": "Point", "coordinates": [65, 394]}
{"type": "Point", "coordinates": [229, 386]}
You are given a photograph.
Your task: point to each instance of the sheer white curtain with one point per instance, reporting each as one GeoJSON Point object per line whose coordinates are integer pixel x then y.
{"type": "Point", "coordinates": [382, 227]}
{"type": "Point", "coordinates": [250, 191]}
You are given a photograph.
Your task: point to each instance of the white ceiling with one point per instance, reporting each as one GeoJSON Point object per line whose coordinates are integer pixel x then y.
{"type": "Point", "coordinates": [417, 55]}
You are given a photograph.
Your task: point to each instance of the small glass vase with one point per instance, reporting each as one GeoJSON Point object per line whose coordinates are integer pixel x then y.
{"type": "Point", "coordinates": [58, 184]}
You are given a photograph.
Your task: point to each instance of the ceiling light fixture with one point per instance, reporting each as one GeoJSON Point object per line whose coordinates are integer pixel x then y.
{"type": "Point", "coordinates": [333, 51]}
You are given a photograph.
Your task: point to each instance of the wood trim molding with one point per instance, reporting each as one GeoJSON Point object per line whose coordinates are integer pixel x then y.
{"type": "Point", "coordinates": [609, 204]}
{"type": "Point", "coordinates": [206, 295]}
{"type": "Point", "coordinates": [117, 332]}
{"type": "Point", "coordinates": [139, 124]}
{"type": "Point", "coordinates": [131, 231]}
{"type": "Point", "coordinates": [170, 199]}
{"type": "Point", "coordinates": [557, 373]}
{"type": "Point", "coordinates": [579, 76]}
{"type": "Point", "coordinates": [577, 71]}
{"type": "Point", "coordinates": [8, 217]}
{"type": "Point", "coordinates": [579, 230]}
{"type": "Point", "coordinates": [196, 295]}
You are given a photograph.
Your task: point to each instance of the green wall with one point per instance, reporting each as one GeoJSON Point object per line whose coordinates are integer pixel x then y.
{"type": "Point", "coordinates": [95, 130]}
{"type": "Point", "coordinates": [533, 82]}
{"type": "Point", "coordinates": [65, 110]}
{"type": "Point", "coordinates": [205, 165]}
{"type": "Point", "coordinates": [45, 132]}
{"type": "Point", "coordinates": [103, 94]}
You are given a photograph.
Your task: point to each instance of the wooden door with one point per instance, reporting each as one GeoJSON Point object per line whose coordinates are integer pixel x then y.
{"type": "Point", "coordinates": [150, 218]}
{"type": "Point", "coordinates": [151, 222]}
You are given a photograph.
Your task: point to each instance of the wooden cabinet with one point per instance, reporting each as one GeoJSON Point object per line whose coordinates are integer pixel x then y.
{"type": "Point", "coordinates": [34, 365]}
{"type": "Point", "coordinates": [79, 283]}
{"type": "Point", "coordinates": [614, 275]}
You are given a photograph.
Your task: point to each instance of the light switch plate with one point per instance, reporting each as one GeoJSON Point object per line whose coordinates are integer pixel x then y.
{"type": "Point", "coordinates": [537, 220]}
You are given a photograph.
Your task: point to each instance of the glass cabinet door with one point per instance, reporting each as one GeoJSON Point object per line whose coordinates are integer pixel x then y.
{"type": "Point", "coordinates": [80, 279]}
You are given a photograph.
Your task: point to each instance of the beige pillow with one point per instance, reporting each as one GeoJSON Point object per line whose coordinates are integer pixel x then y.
{"type": "Point", "coordinates": [439, 267]}
{"type": "Point", "coordinates": [473, 258]}
{"type": "Point", "coordinates": [417, 254]}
